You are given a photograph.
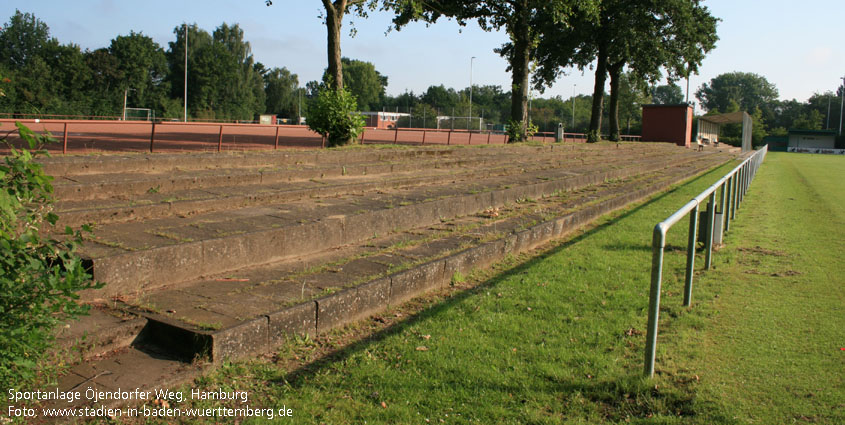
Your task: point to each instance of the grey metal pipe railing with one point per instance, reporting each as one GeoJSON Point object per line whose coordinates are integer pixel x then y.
{"type": "Point", "coordinates": [733, 187]}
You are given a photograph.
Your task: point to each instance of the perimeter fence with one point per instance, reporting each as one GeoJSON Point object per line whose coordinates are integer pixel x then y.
{"type": "Point", "coordinates": [102, 134]}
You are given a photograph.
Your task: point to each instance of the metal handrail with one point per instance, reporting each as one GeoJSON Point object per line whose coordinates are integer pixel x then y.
{"type": "Point", "coordinates": [733, 188]}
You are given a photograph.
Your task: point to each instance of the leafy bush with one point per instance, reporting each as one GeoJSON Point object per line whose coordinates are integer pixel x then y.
{"type": "Point", "coordinates": [593, 136]}
{"type": "Point", "coordinates": [334, 115]}
{"type": "Point", "coordinates": [514, 131]}
{"type": "Point", "coordinates": [731, 140]}
{"type": "Point", "coordinates": [40, 277]}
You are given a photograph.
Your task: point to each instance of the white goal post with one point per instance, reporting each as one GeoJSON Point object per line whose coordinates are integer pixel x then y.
{"type": "Point", "coordinates": [138, 114]}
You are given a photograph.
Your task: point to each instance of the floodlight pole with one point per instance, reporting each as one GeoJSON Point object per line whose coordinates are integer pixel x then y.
{"type": "Point", "coordinates": [470, 91]}
{"type": "Point", "coordinates": [842, 106]}
{"type": "Point", "coordinates": [186, 73]}
{"type": "Point", "coordinates": [125, 94]}
{"type": "Point", "coordinates": [827, 125]}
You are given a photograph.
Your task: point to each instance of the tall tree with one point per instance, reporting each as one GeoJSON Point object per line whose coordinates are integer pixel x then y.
{"type": "Point", "coordinates": [685, 32]}
{"type": "Point", "coordinates": [243, 92]}
{"type": "Point", "coordinates": [519, 18]}
{"type": "Point", "coordinates": [668, 94]}
{"type": "Point", "coordinates": [747, 89]}
{"type": "Point", "coordinates": [224, 82]}
{"type": "Point", "coordinates": [825, 103]}
{"type": "Point", "coordinates": [363, 81]}
{"type": "Point", "coordinates": [141, 70]}
{"type": "Point", "coordinates": [440, 97]}
{"type": "Point", "coordinates": [335, 12]}
{"type": "Point", "coordinates": [632, 95]}
{"type": "Point", "coordinates": [22, 38]}
{"type": "Point", "coordinates": [646, 36]}
{"type": "Point", "coordinates": [198, 41]}
{"type": "Point", "coordinates": [642, 35]}
{"type": "Point", "coordinates": [281, 87]}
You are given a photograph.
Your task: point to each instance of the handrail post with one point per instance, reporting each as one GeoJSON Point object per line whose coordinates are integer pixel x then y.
{"type": "Point", "coordinates": [734, 195]}
{"type": "Point", "coordinates": [152, 137]}
{"type": "Point", "coordinates": [64, 140]}
{"type": "Point", "coordinates": [657, 244]}
{"type": "Point", "coordinates": [423, 136]}
{"type": "Point", "coordinates": [396, 135]}
{"type": "Point", "coordinates": [747, 178]}
{"type": "Point", "coordinates": [744, 176]}
{"type": "Point", "coordinates": [711, 229]}
{"type": "Point", "coordinates": [220, 140]}
{"type": "Point", "coordinates": [449, 138]}
{"type": "Point", "coordinates": [722, 203]}
{"type": "Point", "coordinates": [747, 173]}
{"type": "Point", "coordinates": [276, 144]}
{"type": "Point", "coordinates": [693, 230]}
{"type": "Point", "coordinates": [727, 207]}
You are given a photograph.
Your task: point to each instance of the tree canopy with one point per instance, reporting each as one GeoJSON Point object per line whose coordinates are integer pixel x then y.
{"type": "Point", "coordinates": [281, 89]}
{"type": "Point", "coordinates": [519, 18]}
{"type": "Point", "coordinates": [645, 36]}
{"type": "Point", "coordinates": [748, 90]}
{"type": "Point", "coordinates": [668, 94]}
{"type": "Point", "coordinates": [363, 81]}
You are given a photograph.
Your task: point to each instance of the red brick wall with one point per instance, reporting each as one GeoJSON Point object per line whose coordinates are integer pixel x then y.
{"type": "Point", "coordinates": [668, 123]}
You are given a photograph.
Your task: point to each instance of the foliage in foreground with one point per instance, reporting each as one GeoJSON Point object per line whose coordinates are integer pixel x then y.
{"type": "Point", "coordinates": [40, 277]}
{"type": "Point", "coordinates": [334, 116]}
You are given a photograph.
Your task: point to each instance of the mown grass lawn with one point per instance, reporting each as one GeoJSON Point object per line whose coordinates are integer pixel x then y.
{"type": "Point", "coordinates": [559, 338]}
{"type": "Point", "coordinates": [771, 350]}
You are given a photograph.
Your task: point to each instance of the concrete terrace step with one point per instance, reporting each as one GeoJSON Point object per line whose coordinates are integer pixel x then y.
{"type": "Point", "coordinates": [71, 165]}
{"type": "Point", "coordinates": [126, 185]}
{"type": "Point", "coordinates": [133, 257]}
{"type": "Point", "coordinates": [199, 200]}
{"type": "Point", "coordinates": [251, 310]}
{"type": "Point", "coordinates": [149, 331]}
{"type": "Point", "coordinates": [130, 184]}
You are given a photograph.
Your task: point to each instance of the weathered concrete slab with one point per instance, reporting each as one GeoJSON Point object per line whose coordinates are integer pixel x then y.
{"type": "Point", "coordinates": [410, 283]}
{"type": "Point", "coordinates": [267, 303]}
{"type": "Point", "coordinates": [241, 250]}
{"type": "Point", "coordinates": [251, 336]}
{"type": "Point", "coordinates": [297, 320]}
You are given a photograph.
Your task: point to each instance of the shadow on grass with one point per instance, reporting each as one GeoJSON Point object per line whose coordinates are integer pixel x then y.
{"type": "Point", "coordinates": [632, 395]}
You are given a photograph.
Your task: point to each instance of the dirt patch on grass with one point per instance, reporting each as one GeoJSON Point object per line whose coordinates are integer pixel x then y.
{"type": "Point", "coordinates": [762, 251]}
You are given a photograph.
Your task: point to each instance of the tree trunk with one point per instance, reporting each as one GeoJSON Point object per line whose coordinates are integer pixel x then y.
{"type": "Point", "coordinates": [520, 61]}
{"type": "Point", "coordinates": [594, 133]}
{"type": "Point", "coordinates": [615, 70]}
{"type": "Point", "coordinates": [334, 22]}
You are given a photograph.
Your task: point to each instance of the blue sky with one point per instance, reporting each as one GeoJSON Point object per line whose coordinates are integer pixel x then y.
{"type": "Point", "coordinates": [794, 45]}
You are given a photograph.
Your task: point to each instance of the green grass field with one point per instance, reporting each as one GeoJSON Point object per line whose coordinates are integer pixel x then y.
{"type": "Point", "coordinates": [559, 338]}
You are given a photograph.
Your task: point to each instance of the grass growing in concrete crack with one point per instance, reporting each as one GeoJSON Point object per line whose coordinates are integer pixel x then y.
{"type": "Point", "coordinates": [559, 338]}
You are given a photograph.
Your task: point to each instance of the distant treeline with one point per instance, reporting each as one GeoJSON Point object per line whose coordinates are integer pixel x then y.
{"type": "Point", "coordinates": [225, 82]}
